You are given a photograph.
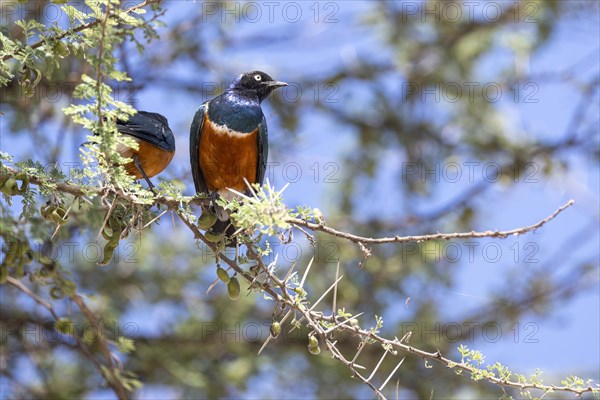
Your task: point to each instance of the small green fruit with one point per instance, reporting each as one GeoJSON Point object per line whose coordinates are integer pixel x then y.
{"type": "Point", "coordinates": [64, 326]}
{"type": "Point", "coordinates": [46, 211]}
{"type": "Point", "coordinates": [275, 329]}
{"type": "Point", "coordinates": [313, 345]}
{"type": "Point", "coordinates": [206, 220]}
{"type": "Point", "coordinates": [10, 187]}
{"type": "Point", "coordinates": [59, 47]}
{"type": "Point", "coordinates": [314, 350]}
{"type": "Point", "coordinates": [300, 291]}
{"type": "Point", "coordinates": [11, 253]}
{"type": "Point", "coordinates": [214, 237]}
{"type": "Point", "coordinates": [3, 274]}
{"type": "Point", "coordinates": [223, 275]}
{"type": "Point", "coordinates": [109, 250]}
{"type": "Point", "coordinates": [58, 216]}
{"type": "Point", "coordinates": [233, 288]}
{"type": "Point", "coordinates": [56, 293]}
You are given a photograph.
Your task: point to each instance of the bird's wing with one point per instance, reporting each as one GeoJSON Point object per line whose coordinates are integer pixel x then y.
{"type": "Point", "coordinates": [263, 151]}
{"type": "Point", "coordinates": [195, 133]}
{"type": "Point", "coordinates": [149, 127]}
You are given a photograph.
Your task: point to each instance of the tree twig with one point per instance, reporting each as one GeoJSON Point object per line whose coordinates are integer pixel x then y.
{"type": "Point", "coordinates": [436, 236]}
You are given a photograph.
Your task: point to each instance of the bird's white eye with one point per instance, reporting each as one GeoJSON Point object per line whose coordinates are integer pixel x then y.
{"type": "Point", "coordinates": [257, 77]}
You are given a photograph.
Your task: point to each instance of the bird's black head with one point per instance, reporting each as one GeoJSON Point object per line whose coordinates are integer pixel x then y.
{"type": "Point", "coordinates": [256, 82]}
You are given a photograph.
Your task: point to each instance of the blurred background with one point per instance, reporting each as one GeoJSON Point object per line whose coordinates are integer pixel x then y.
{"type": "Point", "coordinates": [400, 118]}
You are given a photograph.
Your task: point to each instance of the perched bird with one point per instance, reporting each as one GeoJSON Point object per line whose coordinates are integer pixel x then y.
{"type": "Point", "coordinates": [229, 144]}
{"type": "Point", "coordinates": [156, 144]}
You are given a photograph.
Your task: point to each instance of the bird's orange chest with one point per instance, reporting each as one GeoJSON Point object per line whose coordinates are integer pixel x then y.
{"type": "Point", "coordinates": [152, 158]}
{"type": "Point", "coordinates": [226, 158]}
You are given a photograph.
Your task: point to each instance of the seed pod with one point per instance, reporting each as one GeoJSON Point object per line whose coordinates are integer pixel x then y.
{"type": "Point", "coordinates": [300, 291]}
{"type": "Point", "coordinates": [109, 249]}
{"type": "Point", "coordinates": [46, 211]}
{"type": "Point", "coordinates": [11, 253]}
{"type": "Point", "coordinates": [313, 341]}
{"type": "Point", "coordinates": [223, 275]}
{"type": "Point", "coordinates": [10, 187]}
{"type": "Point", "coordinates": [113, 229]}
{"type": "Point", "coordinates": [24, 252]}
{"type": "Point", "coordinates": [214, 237]}
{"type": "Point", "coordinates": [19, 269]}
{"type": "Point", "coordinates": [3, 178]}
{"type": "Point", "coordinates": [57, 293]}
{"type": "Point", "coordinates": [63, 325]}
{"type": "Point", "coordinates": [3, 274]}
{"type": "Point", "coordinates": [313, 345]}
{"type": "Point", "coordinates": [233, 288]}
{"type": "Point", "coordinates": [27, 87]}
{"type": "Point", "coordinates": [206, 220]}
{"type": "Point", "coordinates": [314, 350]}
{"type": "Point", "coordinates": [43, 259]}
{"type": "Point", "coordinates": [91, 334]}
{"type": "Point", "coordinates": [59, 47]}
{"type": "Point", "coordinates": [21, 176]}
{"type": "Point", "coordinates": [107, 233]}
{"type": "Point", "coordinates": [275, 329]}
{"type": "Point", "coordinates": [68, 287]}
{"type": "Point", "coordinates": [116, 224]}
{"type": "Point", "coordinates": [58, 216]}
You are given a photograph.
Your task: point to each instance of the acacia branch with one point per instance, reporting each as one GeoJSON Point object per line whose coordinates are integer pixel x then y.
{"type": "Point", "coordinates": [319, 322]}
{"type": "Point", "coordinates": [436, 236]}
{"type": "Point", "coordinates": [174, 203]}
{"type": "Point", "coordinates": [80, 191]}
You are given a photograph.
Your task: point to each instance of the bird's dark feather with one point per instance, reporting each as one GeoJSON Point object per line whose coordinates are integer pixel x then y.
{"type": "Point", "coordinates": [195, 133]}
{"type": "Point", "coordinates": [149, 127]}
{"type": "Point", "coordinates": [238, 111]}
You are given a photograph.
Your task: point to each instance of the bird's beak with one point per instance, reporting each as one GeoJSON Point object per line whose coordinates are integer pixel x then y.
{"type": "Point", "coordinates": [276, 84]}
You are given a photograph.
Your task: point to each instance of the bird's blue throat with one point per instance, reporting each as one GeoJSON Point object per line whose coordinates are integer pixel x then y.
{"type": "Point", "coordinates": [237, 111]}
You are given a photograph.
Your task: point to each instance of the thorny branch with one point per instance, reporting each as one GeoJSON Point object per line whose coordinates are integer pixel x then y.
{"type": "Point", "coordinates": [283, 294]}
{"type": "Point", "coordinates": [319, 322]}
{"type": "Point", "coordinates": [263, 279]}
{"type": "Point", "coordinates": [174, 203]}
{"type": "Point", "coordinates": [435, 236]}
